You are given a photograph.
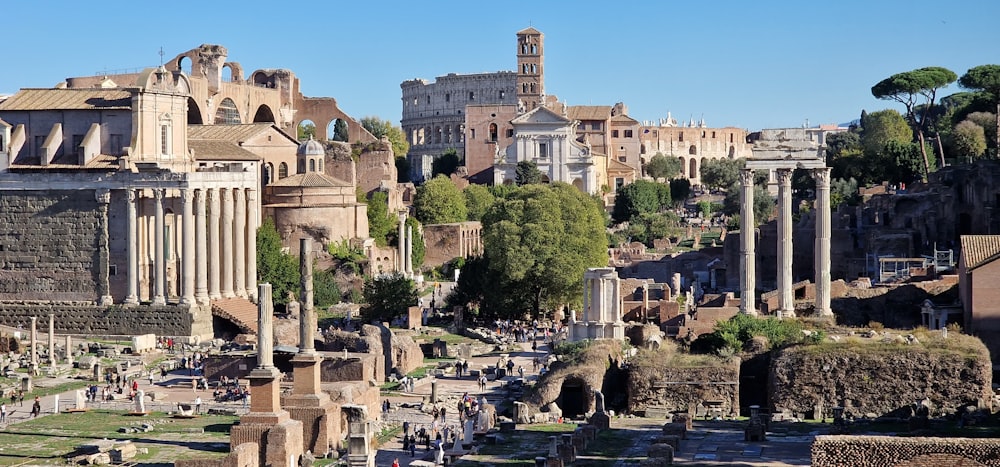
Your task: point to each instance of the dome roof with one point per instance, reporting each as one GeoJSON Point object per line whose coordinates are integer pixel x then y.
{"type": "Point", "coordinates": [311, 148]}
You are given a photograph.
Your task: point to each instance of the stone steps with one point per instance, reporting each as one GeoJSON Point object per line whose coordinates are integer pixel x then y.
{"type": "Point", "coordinates": [240, 311]}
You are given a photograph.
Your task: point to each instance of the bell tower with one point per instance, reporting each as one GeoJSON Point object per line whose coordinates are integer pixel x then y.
{"type": "Point", "coordinates": [530, 67]}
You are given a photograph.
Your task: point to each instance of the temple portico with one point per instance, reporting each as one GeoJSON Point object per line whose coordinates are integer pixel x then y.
{"type": "Point", "coordinates": [602, 307]}
{"type": "Point", "coordinates": [782, 151]}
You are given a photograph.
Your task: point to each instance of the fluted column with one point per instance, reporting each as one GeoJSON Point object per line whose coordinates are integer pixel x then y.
{"type": "Point", "coordinates": [307, 318]}
{"type": "Point", "coordinates": [227, 243]}
{"type": "Point", "coordinates": [239, 242]}
{"type": "Point", "coordinates": [748, 265]}
{"type": "Point", "coordinates": [132, 246]}
{"type": "Point", "coordinates": [214, 244]}
{"type": "Point", "coordinates": [822, 246]}
{"type": "Point", "coordinates": [253, 216]}
{"type": "Point", "coordinates": [265, 319]}
{"type": "Point", "coordinates": [200, 248]}
{"type": "Point", "coordinates": [786, 304]}
{"type": "Point", "coordinates": [187, 242]}
{"type": "Point", "coordinates": [159, 261]}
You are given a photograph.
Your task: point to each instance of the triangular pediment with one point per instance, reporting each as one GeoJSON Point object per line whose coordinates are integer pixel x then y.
{"type": "Point", "coordinates": [541, 115]}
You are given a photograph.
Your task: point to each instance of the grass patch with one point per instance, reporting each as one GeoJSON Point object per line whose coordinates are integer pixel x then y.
{"type": "Point", "coordinates": [57, 389]}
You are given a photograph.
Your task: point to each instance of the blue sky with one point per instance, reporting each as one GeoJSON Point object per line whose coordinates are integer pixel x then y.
{"type": "Point", "coordinates": [753, 65]}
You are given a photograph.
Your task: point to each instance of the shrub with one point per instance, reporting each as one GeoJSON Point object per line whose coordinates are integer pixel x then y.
{"type": "Point", "coordinates": [876, 326]}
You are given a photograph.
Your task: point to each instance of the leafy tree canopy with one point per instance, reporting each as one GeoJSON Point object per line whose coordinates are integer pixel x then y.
{"type": "Point", "coordinates": [680, 189]}
{"type": "Point", "coordinates": [379, 128]}
{"type": "Point", "coordinates": [721, 173]}
{"type": "Point", "coordinates": [380, 222]}
{"type": "Point", "coordinates": [274, 266]}
{"type": "Point", "coordinates": [660, 166]}
{"type": "Point", "coordinates": [986, 78]}
{"type": "Point", "coordinates": [439, 201]}
{"type": "Point", "coordinates": [387, 297]}
{"type": "Point", "coordinates": [640, 197]}
{"type": "Point", "coordinates": [419, 249]}
{"type": "Point", "coordinates": [478, 200]}
{"type": "Point", "coordinates": [340, 131]}
{"type": "Point", "coordinates": [527, 173]}
{"type": "Point", "coordinates": [879, 128]}
{"type": "Point", "coordinates": [445, 164]}
{"type": "Point", "coordinates": [306, 131]}
{"type": "Point", "coordinates": [969, 140]}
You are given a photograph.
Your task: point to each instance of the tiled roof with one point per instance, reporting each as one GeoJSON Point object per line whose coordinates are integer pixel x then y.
{"type": "Point", "coordinates": [310, 180]}
{"type": "Point", "coordinates": [216, 150]}
{"type": "Point", "coordinates": [615, 165]}
{"type": "Point", "coordinates": [98, 162]}
{"type": "Point", "coordinates": [529, 30]}
{"type": "Point", "coordinates": [233, 133]}
{"type": "Point", "coordinates": [978, 250]}
{"type": "Point", "coordinates": [589, 112]}
{"type": "Point", "coordinates": [68, 99]}
{"type": "Point", "coordinates": [623, 119]}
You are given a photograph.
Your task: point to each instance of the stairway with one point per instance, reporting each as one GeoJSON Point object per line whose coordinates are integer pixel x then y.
{"type": "Point", "coordinates": [240, 311]}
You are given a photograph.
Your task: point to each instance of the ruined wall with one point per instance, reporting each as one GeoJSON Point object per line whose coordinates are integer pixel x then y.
{"type": "Point", "coordinates": [356, 367]}
{"type": "Point", "coordinates": [896, 306]}
{"type": "Point", "coordinates": [683, 387]}
{"type": "Point", "coordinates": [115, 320]}
{"type": "Point", "coordinates": [878, 378]}
{"type": "Point", "coordinates": [50, 245]}
{"type": "Point", "coordinates": [445, 242]}
{"type": "Point", "coordinates": [886, 451]}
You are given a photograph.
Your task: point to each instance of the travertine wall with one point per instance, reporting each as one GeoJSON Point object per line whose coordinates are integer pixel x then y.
{"type": "Point", "coordinates": [50, 245]}
{"type": "Point", "coordinates": [885, 451]}
{"type": "Point", "coordinates": [165, 320]}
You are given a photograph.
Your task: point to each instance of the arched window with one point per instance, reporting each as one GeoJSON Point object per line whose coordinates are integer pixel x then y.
{"type": "Point", "coordinates": [227, 114]}
{"type": "Point", "coordinates": [301, 167]}
{"type": "Point", "coordinates": [732, 152]}
{"type": "Point", "coordinates": [493, 132]}
{"type": "Point", "coordinates": [534, 49]}
{"type": "Point", "coordinates": [693, 150]}
{"type": "Point", "coordinates": [531, 86]}
{"type": "Point", "coordinates": [319, 165]}
{"type": "Point", "coordinates": [282, 170]}
{"type": "Point", "coordinates": [312, 165]}
{"type": "Point", "coordinates": [524, 88]}
{"type": "Point", "coordinates": [693, 173]}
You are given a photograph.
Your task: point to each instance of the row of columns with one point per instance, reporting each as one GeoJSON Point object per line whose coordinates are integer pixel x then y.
{"type": "Point", "coordinates": [218, 244]}
{"type": "Point", "coordinates": [786, 304]}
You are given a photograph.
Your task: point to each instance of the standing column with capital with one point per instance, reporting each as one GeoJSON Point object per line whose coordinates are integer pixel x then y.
{"type": "Point", "coordinates": [103, 198]}
{"type": "Point", "coordinates": [187, 246]}
{"type": "Point", "coordinates": [307, 318]}
{"type": "Point", "coordinates": [200, 248]}
{"type": "Point", "coordinates": [131, 246]}
{"type": "Point", "coordinates": [822, 251]}
{"type": "Point", "coordinates": [409, 250]}
{"type": "Point", "coordinates": [159, 262]}
{"type": "Point", "coordinates": [253, 213]}
{"type": "Point", "coordinates": [240, 244]}
{"type": "Point", "coordinates": [786, 303]}
{"type": "Point", "coordinates": [214, 244]}
{"type": "Point", "coordinates": [748, 263]}
{"type": "Point", "coordinates": [401, 235]}
{"type": "Point", "coordinates": [227, 243]}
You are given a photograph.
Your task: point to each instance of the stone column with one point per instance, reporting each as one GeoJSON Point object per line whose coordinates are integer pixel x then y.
{"type": "Point", "coordinates": [188, 255]}
{"type": "Point", "coordinates": [588, 300]}
{"type": "Point", "coordinates": [307, 318]}
{"type": "Point", "coordinates": [214, 244]}
{"type": "Point", "coordinates": [69, 350]}
{"type": "Point", "coordinates": [34, 340]}
{"type": "Point", "coordinates": [748, 265]}
{"type": "Point", "coordinates": [159, 261]}
{"type": "Point", "coordinates": [786, 304]}
{"type": "Point", "coordinates": [52, 339]}
{"type": "Point", "coordinates": [253, 216]}
{"type": "Point", "coordinates": [200, 248]}
{"type": "Point", "coordinates": [103, 197]}
{"type": "Point", "coordinates": [401, 235]}
{"type": "Point", "coordinates": [409, 250]}
{"type": "Point", "coordinates": [132, 246]}
{"type": "Point", "coordinates": [822, 250]}
{"type": "Point", "coordinates": [265, 319]}
{"type": "Point", "coordinates": [227, 243]}
{"type": "Point", "coordinates": [240, 244]}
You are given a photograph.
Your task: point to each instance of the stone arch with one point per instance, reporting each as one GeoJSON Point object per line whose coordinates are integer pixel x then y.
{"type": "Point", "coordinates": [264, 114]}
{"type": "Point", "coordinates": [282, 170]}
{"type": "Point", "coordinates": [493, 132]}
{"type": "Point", "coordinates": [183, 64]}
{"type": "Point", "coordinates": [732, 151]}
{"type": "Point", "coordinates": [693, 150]}
{"type": "Point", "coordinates": [303, 132]}
{"type": "Point", "coordinates": [437, 135]}
{"type": "Point", "coordinates": [447, 134]}
{"type": "Point", "coordinates": [693, 171]}
{"type": "Point", "coordinates": [683, 165]}
{"type": "Point", "coordinates": [578, 183]}
{"type": "Point", "coordinates": [951, 460]}
{"type": "Point", "coordinates": [235, 72]}
{"type": "Point", "coordinates": [575, 397]}
{"type": "Point", "coordinates": [546, 179]}
{"type": "Point", "coordinates": [194, 113]}
{"type": "Point", "coordinates": [227, 113]}
{"type": "Point", "coordinates": [331, 130]}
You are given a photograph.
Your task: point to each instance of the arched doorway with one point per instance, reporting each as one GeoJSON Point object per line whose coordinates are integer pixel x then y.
{"type": "Point", "coordinates": [693, 171]}
{"type": "Point", "coordinates": [184, 65]}
{"type": "Point", "coordinates": [578, 183]}
{"type": "Point", "coordinates": [337, 130]}
{"type": "Point", "coordinates": [263, 114]}
{"type": "Point", "coordinates": [573, 398]}
{"type": "Point", "coordinates": [306, 130]}
{"type": "Point", "coordinates": [194, 113]}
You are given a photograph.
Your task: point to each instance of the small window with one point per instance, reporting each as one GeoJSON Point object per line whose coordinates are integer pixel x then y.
{"type": "Point", "coordinates": [510, 132]}
{"type": "Point", "coordinates": [543, 150]}
{"type": "Point", "coordinates": [493, 132]}
{"type": "Point", "coordinates": [312, 165]}
{"type": "Point", "coordinates": [447, 97]}
{"type": "Point", "coordinates": [282, 170]}
{"type": "Point", "coordinates": [77, 141]}
{"type": "Point", "coordinates": [415, 101]}
{"type": "Point", "coordinates": [428, 99]}
{"type": "Point", "coordinates": [534, 49]}
{"type": "Point", "coordinates": [692, 150]}
{"type": "Point", "coordinates": [472, 133]}
{"type": "Point", "coordinates": [472, 95]}
{"type": "Point", "coordinates": [614, 133]}
{"type": "Point", "coordinates": [702, 133]}
{"type": "Point", "coordinates": [713, 135]}
{"type": "Point", "coordinates": [524, 88]}
{"type": "Point", "coordinates": [628, 133]}
{"type": "Point", "coordinates": [680, 136]}
{"type": "Point", "coordinates": [502, 94]}
{"type": "Point", "coordinates": [165, 139]}
{"type": "Point", "coordinates": [621, 159]}
{"type": "Point", "coordinates": [531, 86]}
{"type": "Point", "coordinates": [596, 126]}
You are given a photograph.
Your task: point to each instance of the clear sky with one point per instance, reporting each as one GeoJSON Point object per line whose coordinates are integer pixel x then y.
{"type": "Point", "coordinates": [753, 65]}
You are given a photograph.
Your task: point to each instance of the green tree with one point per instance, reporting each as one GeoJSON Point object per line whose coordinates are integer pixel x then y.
{"type": "Point", "coordinates": [387, 297]}
{"type": "Point", "coordinates": [985, 78]}
{"type": "Point", "coordinates": [380, 222]}
{"type": "Point", "coordinates": [660, 166]}
{"type": "Point", "coordinates": [985, 120]}
{"type": "Point", "coordinates": [445, 164]}
{"type": "Point", "coordinates": [906, 88]}
{"type": "Point", "coordinates": [274, 266]}
{"type": "Point", "coordinates": [639, 197]}
{"type": "Point", "coordinates": [340, 131]}
{"type": "Point", "coordinates": [901, 162]}
{"type": "Point", "coordinates": [379, 128]}
{"type": "Point", "coordinates": [720, 173]}
{"type": "Point", "coordinates": [306, 131]}
{"type": "Point", "coordinates": [326, 292]}
{"type": "Point", "coordinates": [680, 189]}
{"type": "Point", "coordinates": [969, 140]}
{"type": "Point", "coordinates": [844, 191]}
{"type": "Point", "coordinates": [763, 203]}
{"type": "Point", "coordinates": [419, 249]}
{"type": "Point", "coordinates": [438, 201]}
{"type": "Point", "coordinates": [478, 200]}
{"type": "Point", "coordinates": [539, 241]}
{"type": "Point", "coordinates": [527, 173]}
{"type": "Point", "coordinates": [879, 128]}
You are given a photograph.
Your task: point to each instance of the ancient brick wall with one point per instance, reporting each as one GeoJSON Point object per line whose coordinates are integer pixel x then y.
{"type": "Point", "coordinates": [885, 451]}
{"type": "Point", "coordinates": [681, 388]}
{"type": "Point", "coordinates": [101, 320]}
{"type": "Point", "coordinates": [50, 245]}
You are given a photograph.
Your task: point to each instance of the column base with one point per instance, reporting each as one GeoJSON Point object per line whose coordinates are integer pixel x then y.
{"type": "Point", "coordinates": [159, 300]}
{"type": "Point", "coordinates": [751, 312]}
{"type": "Point", "coordinates": [214, 296]}
{"type": "Point", "coordinates": [187, 301]}
{"type": "Point", "coordinates": [105, 300]}
{"type": "Point", "coordinates": [131, 300]}
{"type": "Point", "coordinates": [824, 313]}
{"type": "Point", "coordinates": [241, 293]}
{"type": "Point", "coordinates": [229, 294]}
{"type": "Point", "coordinates": [782, 314]}
{"type": "Point", "coordinates": [202, 299]}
